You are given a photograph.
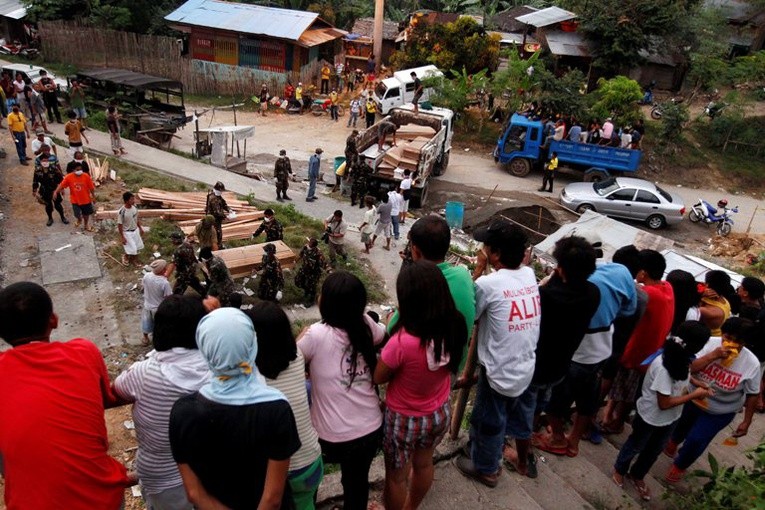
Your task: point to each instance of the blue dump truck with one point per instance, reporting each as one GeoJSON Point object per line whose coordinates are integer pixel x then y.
{"type": "Point", "coordinates": [519, 149]}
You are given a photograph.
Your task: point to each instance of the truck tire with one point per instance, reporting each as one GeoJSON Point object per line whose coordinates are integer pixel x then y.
{"type": "Point", "coordinates": [595, 176]}
{"type": "Point", "coordinates": [519, 167]}
{"type": "Point", "coordinates": [440, 167]}
{"type": "Point", "coordinates": [419, 197]}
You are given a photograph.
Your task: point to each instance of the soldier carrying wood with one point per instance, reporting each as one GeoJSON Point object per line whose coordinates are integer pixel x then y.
{"type": "Point", "coordinates": [218, 208]}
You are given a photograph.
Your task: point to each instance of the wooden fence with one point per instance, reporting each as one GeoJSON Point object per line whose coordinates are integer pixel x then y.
{"type": "Point", "coordinates": [88, 47]}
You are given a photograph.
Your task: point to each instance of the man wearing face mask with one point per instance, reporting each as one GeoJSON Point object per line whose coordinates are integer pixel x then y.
{"type": "Point", "coordinates": [81, 195]}
{"type": "Point", "coordinates": [282, 172]}
{"type": "Point", "coordinates": [46, 179]}
{"type": "Point", "coordinates": [271, 226]}
{"type": "Point", "coordinates": [46, 155]}
{"type": "Point", "coordinates": [17, 125]}
{"type": "Point", "coordinates": [79, 159]}
{"type": "Point", "coordinates": [217, 208]}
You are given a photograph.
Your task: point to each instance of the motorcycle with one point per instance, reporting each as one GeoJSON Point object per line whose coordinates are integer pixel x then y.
{"type": "Point", "coordinates": [703, 211]}
{"type": "Point", "coordinates": [321, 106]}
{"type": "Point", "coordinates": [658, 108]}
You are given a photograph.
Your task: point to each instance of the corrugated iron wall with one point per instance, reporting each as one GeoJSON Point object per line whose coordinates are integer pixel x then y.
{"type": "Point", "coordinates": [216, 64]}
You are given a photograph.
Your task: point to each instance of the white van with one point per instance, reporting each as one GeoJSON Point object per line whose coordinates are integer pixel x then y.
{"type": "Point", "coordinates": [399, 90]}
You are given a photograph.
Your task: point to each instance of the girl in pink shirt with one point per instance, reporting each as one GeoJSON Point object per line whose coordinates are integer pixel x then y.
{"type": "Point", "coordinates": [424, 349]}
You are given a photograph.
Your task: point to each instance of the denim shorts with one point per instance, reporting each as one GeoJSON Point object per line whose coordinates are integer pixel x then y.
{"type": "Point", "coordinates": [147, 321]}
{"type": "Point", "coordinates": [520, 422]}
{"type": "Point", "coordinates": [81, 113]}
{"type": "Point", "coordinates": [581, 385]}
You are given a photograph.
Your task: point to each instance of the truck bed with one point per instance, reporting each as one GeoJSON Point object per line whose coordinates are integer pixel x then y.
{"type": "Point", "coordinates": [596, 156]}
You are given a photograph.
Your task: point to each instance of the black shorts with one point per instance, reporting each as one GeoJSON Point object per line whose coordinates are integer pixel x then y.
{"type": "Point", "coordinates": [82, 210]}
{"type": "Point", "coordinates": [416, 98]}
{"type": "Point", "coordinates": [581, 385]}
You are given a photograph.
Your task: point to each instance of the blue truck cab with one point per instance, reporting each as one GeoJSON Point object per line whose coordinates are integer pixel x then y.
{"type": "Point", "coordinates": [519, 149]}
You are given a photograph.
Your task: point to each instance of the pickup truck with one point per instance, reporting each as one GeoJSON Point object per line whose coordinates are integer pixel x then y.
{"type": "Point", "coordinates": [399, 89]}
{"type": "Point", "coordinates": [519, 149]}
{"type": "Point", "coordinates": [433, 155]}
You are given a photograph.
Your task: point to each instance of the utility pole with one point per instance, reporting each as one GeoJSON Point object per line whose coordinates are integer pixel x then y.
{"type": "Point", "coordinates": [378, 31]}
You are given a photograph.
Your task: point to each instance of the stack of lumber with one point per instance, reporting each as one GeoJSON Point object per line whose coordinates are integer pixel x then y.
{"type": "Point", "coordinates": [404, 156]}
{"type": "Point", "coordinates": [412, 131]}
{"type": "Point", "coordinates": [244, 261]}
{"type": "Point", "coordinates": [99, 172]}
{"type": "Point", "coordinates": [187, 208]}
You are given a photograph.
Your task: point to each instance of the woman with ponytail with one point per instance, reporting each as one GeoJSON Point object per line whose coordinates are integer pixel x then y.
{"type": "Point", "coordinates": [341, 356]}
{"type": "Point", "coordinates": [660, 405]}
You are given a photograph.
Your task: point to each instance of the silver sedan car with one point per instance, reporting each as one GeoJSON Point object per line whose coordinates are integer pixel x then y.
{"type": "Point", "coordinates": [625, 198]}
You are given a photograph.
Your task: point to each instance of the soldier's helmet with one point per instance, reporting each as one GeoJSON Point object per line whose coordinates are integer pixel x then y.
{"type": "Point", "coordinates": [219, 186]}
{"type": "Point", "coordinates": [176, 236]}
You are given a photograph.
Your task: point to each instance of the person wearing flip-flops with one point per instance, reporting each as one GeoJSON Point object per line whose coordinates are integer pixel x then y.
{"type": "Point", "coordinates": [569, 302]}
{"type": "Point", "coordinates": [664, 391]}
{"type": "Point", "coordinates": [733, 372]}
{"type": "Point", "coordinates": [582, 381]}
{"type": "Point", "coordinates": [81, 195]}
{"type": "Point", "coordinates": [508, 312]}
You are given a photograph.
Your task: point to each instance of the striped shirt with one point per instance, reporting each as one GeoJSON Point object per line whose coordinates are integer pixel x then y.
{"type": "Point", "coordinates": [154, 385]}
{"type": "Point", "coordinates": [291, 382]}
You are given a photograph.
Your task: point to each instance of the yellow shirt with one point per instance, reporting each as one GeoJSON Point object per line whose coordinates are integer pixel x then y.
{"type": "Point", "coordinates": [325, 73]}
{"type": "Point", "coordinates": [17, 122]}
{"type": "Point", "coordinates": [553, 164]}
{"type": "Point", "coordinates": [371, 107]}
{"type": "Point", "coordinates": [333, 97]}
{"type": "Point", "coordinates": [299, 93]}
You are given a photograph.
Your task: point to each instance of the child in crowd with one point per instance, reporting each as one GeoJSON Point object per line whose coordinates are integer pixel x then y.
{"type": "Point", "coordinates": [660, 405]}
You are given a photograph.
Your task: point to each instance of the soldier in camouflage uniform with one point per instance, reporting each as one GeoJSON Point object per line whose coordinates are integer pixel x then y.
{"type": "Point", "coordinates": [307, 277]}
{"type": "Point", "coordinates": [282, 172]}
{"type": "Point", "coordinates": [219, 281]}
{"type": "Point", "coordinates": [185, 266]}
{"type": "Point", "coordinates": [271, 226]}
{"type": "Point", "coordinates": [271, 277]}
{"type": "Point", "coordinates": [360, 187]}
{"type": "Point", "coordinates": [46, 179]}
{"type": "Point", "coordinates": [218, 209]}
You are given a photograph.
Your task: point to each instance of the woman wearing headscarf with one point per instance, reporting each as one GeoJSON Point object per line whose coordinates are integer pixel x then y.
{"type": "Point", "coordinates": [233, 439]}
{"type": "Point", "coordinates": [174, 369]}
{"type": "Point", "coordinates": [283, 365]}
{"type": "Point", "coordinates": [206, 234]}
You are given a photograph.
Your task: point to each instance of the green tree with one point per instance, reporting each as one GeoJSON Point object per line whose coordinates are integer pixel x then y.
{"type": "Point", "coordinates": [38, 10]}
{"type": "Point", "coordinates": [456, 93]}
{"type": "Point", "coordinates": [621, 29]}
{"type": "Point", "coordinates": [709, 47]}
{"type": "Point", "coordinates": [462, 44]}
{"type": "Point", "coordinates": [617, 98]}
{"type": "Point", "coordinates": [673, 119]}
{"type": "Point", "coordinates": [563, 94]}
{"type": "Point", "coordinates": [519, 82]}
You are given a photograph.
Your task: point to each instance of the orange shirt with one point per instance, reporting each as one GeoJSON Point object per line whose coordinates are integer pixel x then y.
{"type": "Point", "coordinates": [79, 186]}
{"type": "Point", "coordinates": [73, 131]}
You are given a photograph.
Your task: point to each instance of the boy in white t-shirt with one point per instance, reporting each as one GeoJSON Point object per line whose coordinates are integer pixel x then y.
{"type": "Point", "coordinates": [733, 372]}
{"type": "Point", "coordinates": [367, 227]}
{"type": "Point", "coordinates": [660, 404]}
{"type": "Point", "coordinates": [406, 190]}
{"type": "Point", "coordinates": [508, 313]}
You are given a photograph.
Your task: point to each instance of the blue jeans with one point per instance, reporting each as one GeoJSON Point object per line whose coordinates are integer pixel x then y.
{"type": "Point", "coordinates": [21, 145]}
{"type": "Point", "coordinates": [520, 423]}
{"type": "Point", "coordinates": [646, 442]}
{"type": "Point", "coordinates": [333, 112]}
{"type": "Point", "coordinates": [311, 188]}
{"type": "Point", "coordinates": [396, 221]}
{"type": "Point", "coordinates": [491, 411]}
{"type": "Point", "coordinates": [696, 428]}
{"type": "Point", "coordinates": [353, 119]}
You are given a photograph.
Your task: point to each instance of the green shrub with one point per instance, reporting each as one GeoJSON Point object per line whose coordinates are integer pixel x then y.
{"type": "Point", "coordinates": [673, 119]}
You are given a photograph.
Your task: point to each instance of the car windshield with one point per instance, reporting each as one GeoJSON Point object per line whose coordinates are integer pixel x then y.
{"type": "Point", "coordinates": [663, 193]}
{"type": "Point", "coordinates": [33, 74]}
{"type": "Point", "coordinates": [380, 90]}
{"type": "Point", "coordinates": [605, 187]}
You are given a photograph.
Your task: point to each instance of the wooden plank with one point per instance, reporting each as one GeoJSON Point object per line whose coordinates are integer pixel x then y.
{"type": "Point", "coordinates": [244, 260]}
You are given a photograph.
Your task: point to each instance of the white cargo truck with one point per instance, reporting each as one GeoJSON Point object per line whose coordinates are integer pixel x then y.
{"type": "Point", "coordinates": [399, 90]}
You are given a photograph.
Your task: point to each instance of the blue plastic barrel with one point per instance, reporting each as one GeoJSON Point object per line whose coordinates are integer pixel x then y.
{"type": "Point", "coordinates": [455, 213]}
{"type": "Point", "coordinates": [339, 160]}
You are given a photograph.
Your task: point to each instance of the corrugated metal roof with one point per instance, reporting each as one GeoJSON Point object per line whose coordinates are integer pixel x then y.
{"type": "Point", "coordinates": [123, 77]}
{"type": "Point", "coordinates": [546, 17]}
{"type": "Point", "coordinates": [12, 9]}
{"type": "Point", "coordinates": [512, 37]}
{"type": "Point", "coordinates": [572, 44]}
{"type": "Point", "coordinates": [317, 36]}
{"type": "Point", "coordinates": [366, 27]}
{"type": "Point", "coordinates": [244, 18]}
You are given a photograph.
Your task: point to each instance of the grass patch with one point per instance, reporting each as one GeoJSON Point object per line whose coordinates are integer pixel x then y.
{"type": "Point", "coordinates": [469, 131]}
{"type": "Point", "coordinates": [57, 68]}
{"type": "Point", "coordinates": [136, 177]}
{"type": "Point", "coordinates": [212, 100]}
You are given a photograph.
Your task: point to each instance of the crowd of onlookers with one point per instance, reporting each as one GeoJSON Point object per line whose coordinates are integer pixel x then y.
{"type": "Point", "coordinates": [232, 410]}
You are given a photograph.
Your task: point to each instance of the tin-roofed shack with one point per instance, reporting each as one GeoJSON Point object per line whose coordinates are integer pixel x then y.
{"type": "Point", "coordinates": [263, 38]}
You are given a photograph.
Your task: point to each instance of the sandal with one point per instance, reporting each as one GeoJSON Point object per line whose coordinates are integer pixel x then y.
{"type": "Point", "coordinates": [543, 443]}
{"type": "Point", "coordinates": [642, 488]}
{"type": "Point", "coordinates": [618, 479]}
{"type": "Point", "coordinates": [675, 474]}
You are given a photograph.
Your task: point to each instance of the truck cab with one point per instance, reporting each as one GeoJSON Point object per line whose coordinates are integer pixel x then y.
{"type": "Point", "coordinates": [399, 89]}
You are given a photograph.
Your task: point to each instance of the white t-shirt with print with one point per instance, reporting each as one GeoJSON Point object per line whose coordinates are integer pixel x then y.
{"type": "Point", "coordinates": [508, 311]}
{"type": "Point", "coordinates": [658, 381]}
{"type": "Point", "coordinates": [732, 383]}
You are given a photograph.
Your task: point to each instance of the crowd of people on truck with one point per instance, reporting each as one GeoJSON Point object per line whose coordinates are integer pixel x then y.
{"type": "Point", "coordinates": [223, 384]}
{"type": "Point", "coordinates": [559, 127]}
